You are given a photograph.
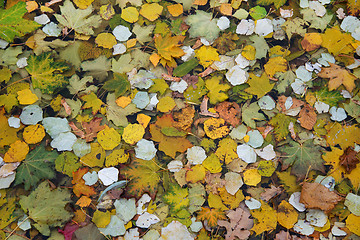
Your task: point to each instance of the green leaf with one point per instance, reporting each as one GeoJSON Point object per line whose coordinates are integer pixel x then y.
{"type": "Point", "coordinates": [284, 80]}
{"type": "Point", "coordinates": [8, 101]}
{"type": "Point", "coordinates": [281, 125]}
{"type": "Point", "coordinates": [202, 24]}
{"type": "Point", "coordinates": [67, 163]}
{"type": "Point", "coordinates": [192, 94]}
{"type": "Point", "coordinates": [143, 177]}
{"type": "Point", "coordinates": [172, 132]}
{"type": "Point", "coordinates": [13, 25]}
{"type": "Point", "coordinates": [159, 86]}
{"type": "Point", "coordinates": [176, 197]}
{"type": "Point", "coordinates": [302, 157]}
{"type": "Point", "coordinates": [329, 97]}
{"type": "Point", "coordinates": [37, 165]}
{"type": "Point", "coordinates": [185, 68]}
{"type": "Point", "coordinates": [196, 197]}
{"type": "Point", "coordinates": [257, 12]}
{"type": "Point", "coordinates": [46, 207]}
{"type": "Point", "coordinates": [6, 212]}
{"type": "Point", "coordinates": [277, 3]}
{"type": "Point", "coordinates": [45, 73]}
{"type": "Point", "coordinates": [353, 108]}
{"type": "Point", "coordinates": [78, 19]}
{"type": "Point", "coordinates": [261, 46]}
{"type": "Point", "coordinates": [250, 113]}
{"type": "Point", "coordinates": [119, 84]}
{"type": "Point", "coordinates": [118, 114]}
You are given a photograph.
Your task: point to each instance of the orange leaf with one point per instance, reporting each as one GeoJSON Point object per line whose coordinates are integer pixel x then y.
{"type": "Point", "coordinates": [84, 201]}
{"type": "Point", "coordinates": [168, 48]}
{"type": "Point", "coordinates": [337, 77]}
{"type": "Point", "coordinates": [212, 215]}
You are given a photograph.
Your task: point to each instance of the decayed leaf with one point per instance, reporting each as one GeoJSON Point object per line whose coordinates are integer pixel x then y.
{"type": "Point", "coordinates": [13, 25]}
{"type": "Point", "coordinates": [316, 195]}
{"type": "Point", "coordinates": [211, 215]}
{"type": "Point", "coordinates": [184, 119]}
{"type": "Point", "coordinates": [45, 72]}
{"type": "Point", "coordinates": [302, 157]}
{"type": "Point", "coordinates": [215, 128]}
{"type": "Point", "coordinates": [349, 159]}
{"type": "Point", "coordinates": [307, 117]}
{"type": "Point", "coordinates": [338, 76]}
{"type": "Point", "coordinates": [239, 225]}
{"type": "Point", "coordinates": [143, 176]}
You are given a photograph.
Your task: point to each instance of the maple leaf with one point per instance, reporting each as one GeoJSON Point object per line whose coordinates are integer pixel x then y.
{"type": "Point", "coordinates": [43, 201]}
{"type": "Point", "coordinates": [202, 24]}
{"type": "Point", "coordinates": [338, 76]}
{"type": "Point", "coordinates": [211, 215]}
{"type": "Point", "coordinates": [119, 84]}
{"type": "Point", "coordinates": [78, 19]}
{"type": "Point", "coordinates": [169, 145]}
{"type": "Point", "coordinates": [336, 41]}
{"type": "Point", "coordinates": [13, 25]}
{"type": "Point", "coordinates": [250, 113]}
{"type": "Point", "coordinates": [266, 218]}
{"type": "Point", "coordinates": [8, 101]}
{"type": "Point", "coordinates": [143, 177]}
{"type": "Point", "coordinates": [345, 135]}
{"type": "Point", "coordinates": [92, 101]}
{"type": "Point", "coordinates": [159, 86]}
{"type": "Point", "coordinates": [239, 225]}
{"type": "Point", "coordinates": [217, 91]}
{"type": "Point", "coordinates": [176, 197]}
{"type": "Point", "coordinates": [45, 72]}
{"type": "Point", "coordinates": [259, 86]}
{"type": "Point", "coordinates": [37, 165]}
{"type": "Point", "coordinates": [281, 125]}
{"type": "Point", "coordinates": [301, 157]}
{"type": "Point", "coordinates": [168, 49]}
{"type": "Point", "coordinates": [79, 187]}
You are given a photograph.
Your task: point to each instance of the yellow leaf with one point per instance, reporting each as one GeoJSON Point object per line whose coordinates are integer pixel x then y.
{"type": "Point", "coordinates": [8, 134]}
{"type": "Point", "coordinates": [323, 228]}
{"type": "Point", "coordinates": [175, 10]}
{"type": "Point", "coordinates": [289, 181]}
{"type": "Point", "coordinates": [200, 2]}
{"type": "Point", "coordinates": [168, 48]}
{"type": "Point", "coordinates": [227, 150]}
{"type": "Point", "coordinates": [84, 201]}
{"type": "Point", "coordinates": [252, 177]}
{"type": "Point", "coordinates": [17, 152]}
{"type": "Point", "coordinates": [311, 41]}
{"type": "Point", "coordinates": [207, 55]}
{"type": "Point", "coordinates": [105, 40]}
{"type": "Point", "coordinates": [353, 224]}
{"type": "Point", "coordinates": [101, 219]}
{"type": "Point", "coordinates": [215, 201]}
{"type": "Point", "coordinates": [212, 163]}
{"type": "Point", "coordinates": [131, 43]}
{"type": "Point", "coordinates": [93, 102]}
{"type": "Point", "coordinates": [215, 128]}
{"type": "Point", "coordinates": [232, 201]}
{"type": "Point", "coordinates": [107, 11]}
{"type": "Point", "coordinates": [345, 135]}
{"type": "Point", "coordinates": [116, 157]}
{"type": "Point", "coordinates": [266, 168]}
{"type": "Point", "coordinates": [83, 4]}
{"type": "Point", "coordinates": [195, 174]}
{"type": "Point", "coordinates": [133, 133]}
{"type": "Point", "coordinates": [249, 52]}
{"type": "Point", "coordinates": [34, 134]}
{"type": "Point", "coordinates": [31, 6]}
{"type": "Point", "coordinates": [226, 9]}
{"type": "Point", "coordinates": [130, 14]}
{"type": "Point", "coordinates": [337, 42]}
{"type": "Point", "coordinates": [95, 158]}
{"type": "Point", "coordinates": [143, 119]}
{"type": "Point", "coordinates": [266, 218]}
{"type": "Point", "coordinates": [154, 59]}
{"type": "Point", "coordinates": [337, 77]}
{"type": "Point", "coordinates": [211, 216]}
{"type": "Point", "coordinates": [109, 138]}
{"type": "Point", "coordinates": [274, 65]}
{"type": "Point", "coordinates": [287, 216]}
{"type": "Point", "coordinates": [151, 11]}
{"type": "Point", "coordinates": [166, 104]}
{"type": "Point", "coordinates": [123, 101]}
{"type": "Point", "coordinates": [26, 97]}
{"type": "Point", "coordinates": [259, 86]}
{"type": "Point", "coordinates": [217, 91]}
{"type": "Point", "coordinates": [338, 171]}
{"type": "Point", "coordinates": [279, 51]}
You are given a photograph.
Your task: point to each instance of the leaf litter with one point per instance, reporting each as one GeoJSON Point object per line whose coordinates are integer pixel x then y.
{"type": "Point", "coordinates": [179, 119]}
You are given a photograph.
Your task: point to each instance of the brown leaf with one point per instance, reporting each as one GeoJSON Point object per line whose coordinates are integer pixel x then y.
{"type": "Point", "coordinates": [213, 182]}
{"type": "Point", "coordinates": [204, 108]}
{"type": "Point", "coordinates": [270, 193]}
{"type": "Point", "coordinates": [184, 119]}
{"type": "Point", "coordinates": [229, 111]}
{"type": "Point", "coordinates": [92, 128]}
{"type": "Point", "coordinates": [239, 225]}
{"type": "Point", "coordinates": [337, 77]}
{"type": "Point", "coordinates": [349, 159]}
{"type": "Point", "coordinates": [315, 195]}
{"type": "Point", "coordinates": [294, 108]}
{"type": "Point", "coordinates": [307, 117]}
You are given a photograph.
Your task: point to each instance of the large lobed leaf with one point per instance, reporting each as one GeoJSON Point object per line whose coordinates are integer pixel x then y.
{"type": "Point", "coordinates": [13, 25]}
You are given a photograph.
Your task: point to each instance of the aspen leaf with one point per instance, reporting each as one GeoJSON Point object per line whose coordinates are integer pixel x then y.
{"type": "Point", "coordinates": [215, 128]}
{"type": "Point", "coordinates": [274, 65]}
{"type": "Point", "coordinates": [108, 138]}
{"type": "Point", "coordinates": [252, 177]}
{"type": "Point", "coordinates": [101, 219]}
{"type": "Point", "coordinates": [130, 14]}
{"type": "Point", "coordinates": [195, 174]}
{"type": "Point", "coordinates": [166, 104]}
{"type": "Point", "coordinates": [107, 11]}
{"type": "Point", "coordinates": [26, 97]}
{"type": "Point", "coordinates": [116, 157]}
{"type": "Point", "coordinates": [207, 55]}
{"type": "Point", "coordinates": [151, 11]}
{"type": "Point", "coordinates": [95, 158]}
{"type": "Point", "coordinates": [265, 218]}
{"type": "Point", "coordinates": [175, 10]}
{"type": "Point", "coordinates": [105, 40]}
{"type": "Point", "coordinates": [83, 4]}
{"type": "Point", "coordinates": [133, 133]}
{"type": "Point", "coordinates": [34, 134]}
{"type": "Point", "coordinates": [353, 224]}
{"type": "Point", "coordinates": [311, 41]}
{"type": "Point", "coordinates": [17, 152]}
{"type": "Point", "coordinates": [287, 216]}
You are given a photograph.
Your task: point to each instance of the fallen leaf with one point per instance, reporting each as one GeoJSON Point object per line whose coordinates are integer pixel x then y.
{"type": "Point", "coordinates": [338, 76]}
